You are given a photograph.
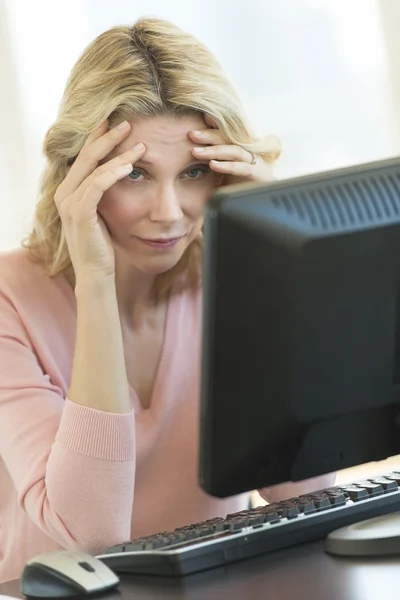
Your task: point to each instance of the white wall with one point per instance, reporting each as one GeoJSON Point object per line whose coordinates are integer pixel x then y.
{"type": "Point", "coordinates": [318, 73]}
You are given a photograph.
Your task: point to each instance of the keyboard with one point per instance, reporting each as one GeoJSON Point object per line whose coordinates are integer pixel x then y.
{"type": "Point", "coordinates": [220, 541]}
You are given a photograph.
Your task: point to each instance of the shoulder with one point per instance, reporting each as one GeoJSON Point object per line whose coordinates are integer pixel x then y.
{"type": "Point", "coordinates": [25, 283]}
{"type": "Point", "coordinates": [16, 268]}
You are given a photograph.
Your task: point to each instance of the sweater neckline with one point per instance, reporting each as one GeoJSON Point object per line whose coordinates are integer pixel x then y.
{"type": "Point", "coordinates": [164, 362]}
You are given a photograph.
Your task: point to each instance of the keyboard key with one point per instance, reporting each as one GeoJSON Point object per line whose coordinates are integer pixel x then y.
{"type": "Point", "coordinates": [256, 520]}
{"type": "Point", "coordinates": [204, 530]}
{"type": "Point", "coordinates": [373, 489]}
{"type": "Point", "coordinates": [238, 525]}
{"type": "Point", "coordinates": [135, 546]}
{"type": "Point", "coordinates": [387, 484]}
{"type": "Point", "coordinates": [394, 478]}
{"type": "Point", "coordinates": [222, 526]}
{"type": "Point", "coordinates": [242, 513]}
{"type": "Point", "coordinates": [322, 503]}
{"type": "Point", "coordinates": [291, 513]}
{"type": "Point", "coordinates": [307, 507]}
{"type": "Point", "coordinates": [337, 499]}
{"type": "Point", "coordinates": [272, 517]}
{"type": "Point", "coordinates": [161, 541]}
{"type": "Point", "coordinates": [356, 493]}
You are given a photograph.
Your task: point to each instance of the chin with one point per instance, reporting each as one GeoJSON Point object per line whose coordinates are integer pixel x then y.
{"type": "Point", "coordinates": [155, 265]}
{"type": "Point", "coordinates": [153, 270]}
{"type": "Point", "coordinates": [156, 262]}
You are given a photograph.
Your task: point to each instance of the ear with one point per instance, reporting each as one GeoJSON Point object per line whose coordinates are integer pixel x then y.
{"type": "Point", "coordinates": [210, 121]}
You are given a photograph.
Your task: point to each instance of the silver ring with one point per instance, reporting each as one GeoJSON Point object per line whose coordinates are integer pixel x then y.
{"type": "Point", "coordinates": [254, 158]}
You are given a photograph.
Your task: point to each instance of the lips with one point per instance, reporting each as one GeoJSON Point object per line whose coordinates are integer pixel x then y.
{"type": "Point", "coordinates": [162, 240]}
{"type": "Point", "coordinates": [161, 243]}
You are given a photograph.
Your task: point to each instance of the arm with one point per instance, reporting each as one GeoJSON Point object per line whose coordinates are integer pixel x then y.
{"type": "Point", "coordinates": [291, 489]}
{"type": "Point", "coordinates": [99, 378]}
{"type": "Point", "coordinates": [73, 463]}
{"type": "Point", "coordinates": [73, 466]}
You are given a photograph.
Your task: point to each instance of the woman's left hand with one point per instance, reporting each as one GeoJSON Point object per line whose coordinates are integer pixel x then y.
{"type": "Point", "coordinates": [236, 163]}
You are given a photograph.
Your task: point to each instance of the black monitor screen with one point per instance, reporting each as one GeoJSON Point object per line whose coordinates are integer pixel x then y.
{"type": "Point", "coordinates": [301, 335]}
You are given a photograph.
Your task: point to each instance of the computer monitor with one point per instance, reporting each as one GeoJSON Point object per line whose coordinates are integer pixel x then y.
{"type": "Point", "coordinates": [301, 334]}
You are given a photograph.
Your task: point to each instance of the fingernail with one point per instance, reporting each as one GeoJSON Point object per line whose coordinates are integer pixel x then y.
{"type": "Point", "coordinates": [197, 132]}
{"type": "Point", "coordinates": [138, 146]}
{"type": "Point", "coordinates": [199, 149]}
{"type": "Point", "coordinates": [122, 125]}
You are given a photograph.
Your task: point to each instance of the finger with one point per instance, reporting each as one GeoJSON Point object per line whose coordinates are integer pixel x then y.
{"type": "Point", "coordinates": [98, 184]}
{"type": "Point", "coordinates": [239, 169]}
{"type": "Point", "coordinates": [90, 155]}
{"type": "Point", "coordinates": [225, 152]}
{"type": "Point", "coordinates": [98, 132]}
{"type": "Point", "coordinates": [259, 172]}
{"type": "Point", "coordinates": [129, 157]}
{"type": "Point", "coordinates": [207, 136]}
{"type": "Point", "coordinates": [101, 183]}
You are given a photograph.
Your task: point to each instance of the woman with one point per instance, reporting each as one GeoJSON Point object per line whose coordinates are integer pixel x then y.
{"type": "Point", "coordinates": [100, 310]}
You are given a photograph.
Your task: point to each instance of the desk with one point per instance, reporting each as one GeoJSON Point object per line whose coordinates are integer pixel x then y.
{"type": "Point", "coordinates": [300, 573]}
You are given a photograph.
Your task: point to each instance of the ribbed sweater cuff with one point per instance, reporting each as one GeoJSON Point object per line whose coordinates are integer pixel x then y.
{"type": "Point", "coordinates": [95, 433]}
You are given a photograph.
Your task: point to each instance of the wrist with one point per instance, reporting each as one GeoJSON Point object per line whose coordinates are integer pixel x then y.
{"type": "Point", "coordinates": [96, 286]}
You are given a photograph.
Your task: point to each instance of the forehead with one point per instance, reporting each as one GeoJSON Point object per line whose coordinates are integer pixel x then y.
{"type": "Point", "coordinates": [160, 133]}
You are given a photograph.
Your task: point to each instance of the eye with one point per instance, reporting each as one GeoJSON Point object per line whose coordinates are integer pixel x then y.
{"type": "Point", "coordinates": [135, 175]}
{"type": "Point", "coordinates": [197, 172]}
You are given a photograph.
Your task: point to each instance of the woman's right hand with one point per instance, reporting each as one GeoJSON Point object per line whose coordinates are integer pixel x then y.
{"type": "Point", "coordinates": [79, 194]}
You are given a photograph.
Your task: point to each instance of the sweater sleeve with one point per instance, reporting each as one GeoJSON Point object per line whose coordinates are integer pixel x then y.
{"type": "Point", "coordinates": [73, 467]}
{"type": "Point", "coordinates": [292, 489]}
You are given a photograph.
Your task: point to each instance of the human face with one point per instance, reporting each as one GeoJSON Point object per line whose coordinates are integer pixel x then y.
{"type": "Point", "coordinates": [156, 212]}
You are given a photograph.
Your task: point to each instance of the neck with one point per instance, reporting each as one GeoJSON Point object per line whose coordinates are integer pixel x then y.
{"type": "Point", "coordinates": [135, 293]}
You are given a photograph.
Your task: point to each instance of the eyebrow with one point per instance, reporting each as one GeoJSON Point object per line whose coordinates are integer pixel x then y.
{"type": "Point", "coordinates": [144, 161]}
{"type": "Point", "coordinates": [193, 160]}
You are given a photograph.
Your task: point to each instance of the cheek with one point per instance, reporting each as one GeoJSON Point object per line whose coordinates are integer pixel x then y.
{"type": "Point", "coordinates": [118, 209]}
{"type": "Point", "coordinates": [195, 199]}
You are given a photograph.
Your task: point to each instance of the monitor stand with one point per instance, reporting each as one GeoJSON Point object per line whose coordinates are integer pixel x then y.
{"type": "Point", "coordinates": [379, 536]}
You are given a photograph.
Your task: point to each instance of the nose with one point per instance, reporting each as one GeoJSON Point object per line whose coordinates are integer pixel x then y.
{"type": "Point", "coordinates": [166, 206]}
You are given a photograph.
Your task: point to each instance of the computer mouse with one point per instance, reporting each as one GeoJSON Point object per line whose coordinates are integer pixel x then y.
{"type": "Point", "coordinates": [64, 574]}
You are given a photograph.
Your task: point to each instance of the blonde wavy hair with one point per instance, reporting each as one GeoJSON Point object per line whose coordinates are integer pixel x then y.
{"type": "Point", "coordinates": [152, 68]}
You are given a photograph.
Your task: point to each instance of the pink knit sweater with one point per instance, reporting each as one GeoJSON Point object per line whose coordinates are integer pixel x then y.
{"type": "Point", "coordinates": [75, 477]}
